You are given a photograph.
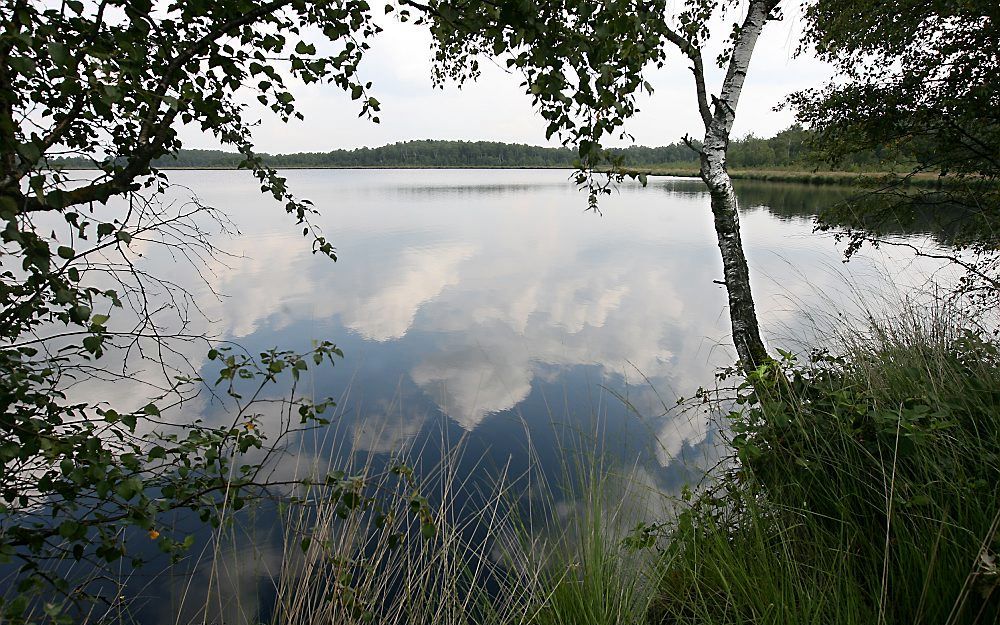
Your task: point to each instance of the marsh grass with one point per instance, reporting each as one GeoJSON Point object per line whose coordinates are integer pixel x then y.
{"type": "Point", "coordinates": [507, 549]}
{"type": "Point", "coordinates": [865, 488]}
{"type": "Point", "coordinates": [576, 543]}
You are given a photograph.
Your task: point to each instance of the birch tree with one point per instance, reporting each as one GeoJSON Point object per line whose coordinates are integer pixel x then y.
{"type": "Point", "coordinates": [584, 63]}
{"type": "Point", "coordinates": [718, 114]}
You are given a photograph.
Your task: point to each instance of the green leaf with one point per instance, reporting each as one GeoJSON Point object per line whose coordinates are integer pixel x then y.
{"type": "Point", "coordinates": [111, 93]}
{"type": "Point", "coordinates": [69, 529]}
{"type": "Point", "coordinates": [427, 530]}
{"type": "Point", "coordinates": [29, 151]}
{"type": "Point", "coordinates": [22, 65]}
{"type": "Point", "coordinates": [129, 488]}
{"type": "Point", "coordinates": [130, 421]}
{"type": "Point", "coordinates": [59, 53]}
{"type": "Point", "coordinates": [8, 207]}
{"type": "Point", "coordinates": [305, 48]}
{"type": "Point", "coordinates": [65, 252]}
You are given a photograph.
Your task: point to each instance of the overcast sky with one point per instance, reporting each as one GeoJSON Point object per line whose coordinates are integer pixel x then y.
{"type": "Point", "coordinates": [495, 108]}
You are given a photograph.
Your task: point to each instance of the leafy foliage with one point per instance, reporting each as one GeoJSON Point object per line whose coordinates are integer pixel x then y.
{"type": "Point", "coordinates": [918, 83]}
{"type": "Point", "coordinates": [78, 481]}
{"type": "Point", "coordinates": [111, 81]}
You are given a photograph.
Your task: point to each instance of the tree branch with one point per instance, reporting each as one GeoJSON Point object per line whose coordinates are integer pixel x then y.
{"type": "Point", "coordinates": [951, 258]}
{"type": "Point", "coordinates": [693, 52]}
{"type": "Point", "coordinates": [194, 50]}
{"type": "Point", "coordinates": [690, 143]}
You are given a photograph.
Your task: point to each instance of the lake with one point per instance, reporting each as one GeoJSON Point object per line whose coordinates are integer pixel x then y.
{"type": "Point", "coordinates": [488, 308]}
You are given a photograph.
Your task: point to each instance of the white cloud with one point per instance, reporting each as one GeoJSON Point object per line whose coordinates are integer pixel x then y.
{"type": "Point", "coordinates": [469, 382]}
{"type": "Point", "coordinates": [421, 275]}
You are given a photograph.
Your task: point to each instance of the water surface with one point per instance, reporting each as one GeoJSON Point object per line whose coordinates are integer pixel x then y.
{"type": "Point", "coordinates": [489, 306]}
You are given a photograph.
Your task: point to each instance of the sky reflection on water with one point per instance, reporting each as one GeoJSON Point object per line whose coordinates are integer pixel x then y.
{"type": "Point", "coordinates": [481, 286]}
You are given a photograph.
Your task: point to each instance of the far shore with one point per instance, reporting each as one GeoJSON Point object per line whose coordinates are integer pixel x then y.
{"type": "Point", "coordinates": [848, 178]}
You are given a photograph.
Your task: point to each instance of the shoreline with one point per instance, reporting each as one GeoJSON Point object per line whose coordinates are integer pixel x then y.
{"type": "Point", "coordinates": [841, 178]}
{"type": "Point", "coordinates": [845, 178]}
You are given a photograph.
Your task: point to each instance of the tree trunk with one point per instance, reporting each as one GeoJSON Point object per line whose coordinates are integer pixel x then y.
{"type": "Point", "coordinates": [718, 121]}
{"type": "Point", "coordinates": [742, 313]}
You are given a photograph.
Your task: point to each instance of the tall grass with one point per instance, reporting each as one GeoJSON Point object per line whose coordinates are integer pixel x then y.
{"type": "Point", "coordinates": [353, 568]}
{"type": "Point", "coordinates": [528, 549]}
{"type": "Point", "coordinates": [576, 543]}
{"type": "Point", "coordinates": [866, 488]}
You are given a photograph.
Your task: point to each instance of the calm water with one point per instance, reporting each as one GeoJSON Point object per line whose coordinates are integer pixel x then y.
{"type": "Point", "coordinates": [488, 304]}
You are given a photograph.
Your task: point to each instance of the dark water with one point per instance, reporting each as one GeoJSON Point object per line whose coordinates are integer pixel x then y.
{"type": "Point", "coordinates": [490, 307]}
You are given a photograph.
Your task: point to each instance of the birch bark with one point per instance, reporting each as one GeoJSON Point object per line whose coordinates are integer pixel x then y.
{"type": "Point", "coordinates": [718, 121]}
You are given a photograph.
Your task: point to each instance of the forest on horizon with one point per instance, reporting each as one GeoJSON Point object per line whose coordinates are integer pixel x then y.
{"type": "Point", "coordinates": [789, 148]}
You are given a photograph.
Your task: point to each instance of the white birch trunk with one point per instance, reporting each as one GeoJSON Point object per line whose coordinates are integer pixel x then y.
{"type": "Point", "coordinates": [742, 312]}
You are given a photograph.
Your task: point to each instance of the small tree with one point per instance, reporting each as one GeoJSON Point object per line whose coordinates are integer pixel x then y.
{"type": "Point", "coordinates": [112, 81]}
{"type": "Point", "coordinates": [718, 114]}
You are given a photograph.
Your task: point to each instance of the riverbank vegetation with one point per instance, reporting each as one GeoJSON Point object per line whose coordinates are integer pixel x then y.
{"type": "Point", "coordinates": [863, 488]}
{"type": "Point", "coordinates": [860, 488]}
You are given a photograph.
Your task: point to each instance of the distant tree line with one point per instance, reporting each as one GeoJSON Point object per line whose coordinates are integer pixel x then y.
{"type": "Point", "coordinates": [788, 148]}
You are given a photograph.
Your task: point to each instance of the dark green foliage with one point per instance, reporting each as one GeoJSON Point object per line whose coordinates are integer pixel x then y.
{"type": "Point", "coordinates": [435, 154]}
{"type": "Point", "coordinates": [78, 480]}
{"type": "Point", "coordinates": [866, 491]}
{"type": "Point", "coordinates": [110, 82]}
{"type": "Point", "coordinates": [919, 85]}
{"type": "Point", "coordinates": [403, 154]}
{"type": "Point", "coordinates": [920, 82]}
